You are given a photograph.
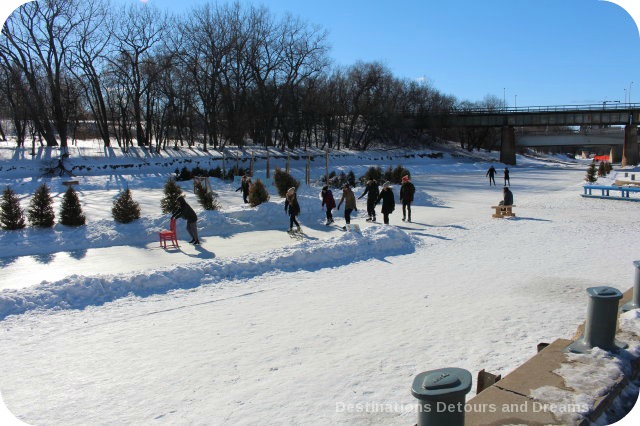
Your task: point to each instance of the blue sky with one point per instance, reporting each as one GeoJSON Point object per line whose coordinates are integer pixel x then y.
{"type": "Point", "coordinates": [527, 52]}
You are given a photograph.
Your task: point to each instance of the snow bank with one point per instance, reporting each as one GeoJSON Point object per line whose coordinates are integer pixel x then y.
{"type": "Point", "coordinates": [77, 292]}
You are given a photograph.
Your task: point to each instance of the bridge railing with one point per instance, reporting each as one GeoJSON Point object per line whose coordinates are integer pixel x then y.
{"type": "Point", "coordinates": [604, 106]}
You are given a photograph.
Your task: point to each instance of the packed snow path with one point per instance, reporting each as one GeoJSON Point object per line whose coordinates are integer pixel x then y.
{"type": "Point", "coordinates": [310, 346]}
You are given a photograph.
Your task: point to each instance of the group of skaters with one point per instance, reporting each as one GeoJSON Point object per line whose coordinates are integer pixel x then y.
{"type": "Point", "coordinates": [507, 195]}
{"type": "Point", "coordinates": [491, 173]}
{"type": "Point", "coordinates": [374, 197]}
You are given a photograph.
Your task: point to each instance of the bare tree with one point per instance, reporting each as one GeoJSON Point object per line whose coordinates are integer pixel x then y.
{"type": "Point", "coordinates": [87, 60]}
{"type": "Point", "coordinates": [37, 40]}
{"type": "Point", "coordinates": [138, 39]}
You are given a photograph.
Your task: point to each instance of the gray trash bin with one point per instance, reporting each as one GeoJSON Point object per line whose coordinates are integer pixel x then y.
{"type": "Point", "coordinates": [442, 396]}
{"type": "Point", "coordinates": [602, 321]}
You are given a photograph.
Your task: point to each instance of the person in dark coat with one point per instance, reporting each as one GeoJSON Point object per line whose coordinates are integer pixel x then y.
{"type": "Point", "coordinates": [507, 181]}
{"type": "Point", "coordinates": [185, 211]}
{"type": "Point", "coordinates": [407, 190]}
{"type": "Point", "coordinates": [388, 201]}
{"type": "Point", "coordinates": [372, 192]}
{"type": "Point", "coordinates": [329, 202]}
{"type": "Point", "coordinates": [245, 185]}
{"type": "Point", "coordinates": [507, 199]}
{"type": "Point", "coordinates": [292, 207]}
{"type": "Point", "coordinates": [491, 173]}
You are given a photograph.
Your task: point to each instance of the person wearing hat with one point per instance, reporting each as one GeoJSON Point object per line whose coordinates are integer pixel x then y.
{"type": "Point", "coordinates": [186, 212]}
{"type": "Point", "coordinates": [372, 192]}
{"type": "Point", "coordinates": [329, 202]}
{"type": "Point", "coordinates": [292, 207]}
{"type": "Point", "coordinates": [388, 201]}
{"type": "Point", "coordinates": [350, 203]}
{"type": "Point", "coordinates": [407, 190]}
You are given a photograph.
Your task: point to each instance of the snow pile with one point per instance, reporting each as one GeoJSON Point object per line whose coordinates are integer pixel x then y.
{"type": "Point", "coordinates": [593, 375]}
{"type": "Point", "coordinates": [78, 292]}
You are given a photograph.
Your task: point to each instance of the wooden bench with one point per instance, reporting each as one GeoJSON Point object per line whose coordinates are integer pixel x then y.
{"type": "Point", "coordinates": [69, 183]}
{"type": "Point", "coordinates": [503, 211]}
{"type": "Point", "coordinates": [606, 189]}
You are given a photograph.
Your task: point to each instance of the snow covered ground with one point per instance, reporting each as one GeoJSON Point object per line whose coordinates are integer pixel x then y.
{"type": "Point", "coordinates": [255, 327]}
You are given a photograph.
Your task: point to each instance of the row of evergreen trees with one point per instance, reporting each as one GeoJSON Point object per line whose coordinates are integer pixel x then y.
{"type": "Point", "coordinates": [40, 213]}
{"type": "Point", "coordinates": [593, 172]}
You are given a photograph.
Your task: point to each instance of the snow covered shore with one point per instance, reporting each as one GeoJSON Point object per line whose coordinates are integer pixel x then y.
{"type": "Point", "coordinates": [288, 332]}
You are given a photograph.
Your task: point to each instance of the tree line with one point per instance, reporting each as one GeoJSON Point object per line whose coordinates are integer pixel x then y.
{"type": "Point", "coordinates": [217, 75]}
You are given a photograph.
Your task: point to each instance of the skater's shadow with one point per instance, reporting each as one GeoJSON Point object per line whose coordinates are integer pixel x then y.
{"type": "Point", "coordinates": [202, 253]}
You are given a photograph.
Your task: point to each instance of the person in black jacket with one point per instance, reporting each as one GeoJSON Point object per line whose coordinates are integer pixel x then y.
{"type": "Point", "coordinates": [507, 199]}
{"type": "Point", "coordinates": [245, 185]}
{"type": "Point", "coordinates": [292, 207]}
{"type": "Point", "coordinates": [186, 212]}
{"type": "Point", "coordinates": [491, 173]}
{"type": "Point", "coordinates": [388, 201]}
{"type": "Point", "coordinates": [372, 192]}
{"type": "Point", "coordinates": [407, 190]}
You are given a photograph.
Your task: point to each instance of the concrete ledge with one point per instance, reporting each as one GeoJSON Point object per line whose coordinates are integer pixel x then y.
{"type": "Point", "coordinates": [510, 400]}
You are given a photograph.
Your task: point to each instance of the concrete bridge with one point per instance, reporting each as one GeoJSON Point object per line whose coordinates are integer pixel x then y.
{"type": "Point", "coordinates": [508, 119]}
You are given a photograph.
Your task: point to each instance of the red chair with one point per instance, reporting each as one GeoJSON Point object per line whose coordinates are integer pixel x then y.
{"type": "Point", "coordinates": [169, 235]}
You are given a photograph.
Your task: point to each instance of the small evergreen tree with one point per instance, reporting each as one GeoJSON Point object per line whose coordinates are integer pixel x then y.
{"type": "Point", "coordinates": [374, 173]}
{"type": "Point", "coordinates": [124, 209]}
{"type": "Point", "coordinates": [172, 191]}
{"type": "Point", "coordinates": [184, 174]}
{"type": "Point", "coordinates": [591, 173]}
{"type": "Point", "coordinates": [207, 199]}
{"type": "Point", "coordinates": [607, 167]}
{"type": "Point", "coordinates": [11, 214]}
{"type": "Point", "coordinates": [40, 211]}
{"type": "Point", "coordinates": [258, 194]}
{"type": "Point", "coordinates": [395, 175]}
{"type": "Point", "coordinates": [283, 182]}
{"type": "Point", "coordinates": [71, 211]}
{"type": "Point", "coordinates": [351, 179]}
{"type": "Point", "coordinates": [601, 169]}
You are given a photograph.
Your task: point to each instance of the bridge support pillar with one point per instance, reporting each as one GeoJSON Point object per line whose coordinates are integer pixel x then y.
{"type": "Point", "coordinates": [508, 145]}
{"type": "Point", "coordinates": [630, 155]}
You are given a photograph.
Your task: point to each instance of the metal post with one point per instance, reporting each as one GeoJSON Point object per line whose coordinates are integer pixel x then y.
{"type": "Point", "coordinates": [602, 321]}
{"type": "Point", "coordinates": [635, 300]}
{"type": "Point", "coordinates": [268, 172]}
{"type": "Point", "coordinates": [326, 167]}
{"type": "Point", "coordinates": [442, 396]}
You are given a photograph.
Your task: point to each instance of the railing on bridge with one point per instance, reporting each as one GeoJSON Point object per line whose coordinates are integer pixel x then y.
{"type": "Point", "coordinates": [604, 106]}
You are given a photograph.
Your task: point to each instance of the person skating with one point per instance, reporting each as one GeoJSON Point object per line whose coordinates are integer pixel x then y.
{"type": "Point", "coordinates": [407, 190]}
{"type": "Point", "coordinates": [491, 173]}
{"type": "Point", "coordinates": [507, 181]}
{"type": "Point", "coordinates": [328, 202]}
{"type": "Point", "coordinates": [185, 211]}
{"type": "Point", "coordinates": [349, 199]}
{"type": "Point", "coordinates": [388, 201]}
{"type": "Point", "coordinates": [292, 207]}
{"type": "Point", "coordinates": [372, 192]}
{"type": "Point", "coordinates": [245, 185]}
